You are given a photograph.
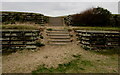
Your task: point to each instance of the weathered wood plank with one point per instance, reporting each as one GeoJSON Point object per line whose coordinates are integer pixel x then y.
{"type": "Point", "coordinates": [19, 38]}
{"type": "Point", "coordinates": [99, 39]}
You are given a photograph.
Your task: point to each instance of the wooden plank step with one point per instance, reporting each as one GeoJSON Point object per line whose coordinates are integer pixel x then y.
{"type": "Point", "coordinates": [58, 44]}
{"type": "Point", "coordinates": [96, 31]}
{"type": "Point", "coordinates": [30, 47]}
{"type": "Point", "coordinates": [21, 36]}
{"type": "Point", "coordinates": [16, 44]}
{"type": "Point", "coordinates": [59, 30]}
{"type": "Point", "coordinates": [60, 40]}
{"type": "Point", "coordinates": [58, 35]}
{"type": "Point", "coordinates": [19, 30]}
{"type": "Point", "coordinates": [78, 31]}
{"type": "Point", "coordinates": [13, 45]}
{"type": "Point", "coordinates": [54, 32]}
{"type": "Point", "coordinates": [56, 25]}
{"type": "Point", "coordinates": [17, 40]}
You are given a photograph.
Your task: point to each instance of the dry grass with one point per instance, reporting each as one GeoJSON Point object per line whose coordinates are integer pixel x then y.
{"type": "Point", "coordinates": [26, 61]}
{"type": "Point", "coordinates": [51, 56]}
{"type": "Point", "coordinates": [21, 27]}
{"type": "Point", "coordinates": [97, 28]}
{"type": "Point", "coordinates": [48, 55]}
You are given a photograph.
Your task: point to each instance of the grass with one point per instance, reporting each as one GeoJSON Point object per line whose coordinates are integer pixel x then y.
{"type": "Point", "coordinates": [85, 63]}
{"type": "Point", "coordinates": [76, 56]}
{"type": "Point", "coordinates": [97, 28]}
{"type": "Point", "coordinates": [21, 27]}
{"type": "Point", "coordinates": [75, 65]}
{"type": "Point", "coordinates": [108, 51]}
{"type": "Point", "coordinates": [49, 29]}
{"type": "Point", "coordinates": [39, 44]}
{"type": "Point", "coordinates": [41, 37]}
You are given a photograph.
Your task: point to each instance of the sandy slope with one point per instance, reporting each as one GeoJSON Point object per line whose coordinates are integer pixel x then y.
{"type": "Point", "coordinates": [26, 61]}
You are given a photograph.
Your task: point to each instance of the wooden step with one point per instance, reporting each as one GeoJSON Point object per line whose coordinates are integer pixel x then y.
{"type": "Point", "coordinates": [68, 37]}
{"type": "Point", "coordinates": [58, 34]}
{"type": "Point", "coordinates": [56, 25]}
{"type": "Point", "coordinates": [31, 47]}
{"type": "Point", "coordinates": [60, 40]}
{"type": "Point", "coordinates": [58, 44]}
{"type": "Point", "coordinates": [59, 30]}
{"type": "Point", "coordinates": [54, 32]}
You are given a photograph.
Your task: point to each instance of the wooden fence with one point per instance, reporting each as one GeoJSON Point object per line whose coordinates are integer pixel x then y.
{"type": "Point", "coordinates": [19, 38]}
{"type": "Point", "coordinates": [98, 39]}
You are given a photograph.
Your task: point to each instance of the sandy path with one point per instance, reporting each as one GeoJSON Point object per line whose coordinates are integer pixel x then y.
{"type": "Point", "coordinates": [26, 61]}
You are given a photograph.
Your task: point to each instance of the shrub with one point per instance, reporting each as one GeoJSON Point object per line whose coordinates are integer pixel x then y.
{"type": "Point", "coordinates": [92, 17]}
{"type": "Point", "coordinates": [41, 37]}
{"type": "Point", "coordinates": [12, 17]}
{"type": "Point", "coordinates": [49, 29]}
{"type": "Point", "coordinates": [115, 20]}
{"type": "Point", "coordinates": [39, 44]}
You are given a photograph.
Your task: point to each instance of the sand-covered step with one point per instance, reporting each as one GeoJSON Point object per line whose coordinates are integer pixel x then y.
{"type": "Point", "coordinates": [31, 47]}
{"type": "Point", "coordinates": [55, 25]}
{"type": "Point", "coordinates": [58, 35]}
{"type": "Point", "coordinates": [56, 21]}
{"type": "Point", "coordinates": [57, 43]}
{"type": "Point", "coordinates": [67, 40]}
{"type": "Point", "coordinates": [58, 32]}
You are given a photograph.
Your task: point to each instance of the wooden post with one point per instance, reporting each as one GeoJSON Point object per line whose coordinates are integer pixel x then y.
{"type": "Point", "coordinates": [24, 40]}
{"type": "Point", "coordinates": [10, 39]}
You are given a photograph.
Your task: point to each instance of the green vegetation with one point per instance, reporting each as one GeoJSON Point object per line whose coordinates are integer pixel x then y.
{"type": "Point", "coordinates": [97, 28]}
{"type": "Point", "coordinates": [19, 27]}
{"type": "Point", "coordinates": [41, 37]}
{"type": "Point", "coordinates": [63, 68]}
{"type": "Point", "coordinates": [75, 66]}
{"type": "Point", "coordinates": [76, 56]}
{"type": "Point", "coordinates": [13, 17]}
{"type": "Point", "coordinates": [94, 17]}
{"type": "Point", "coordinates": [39, 44]}
{"type": "Point", "coordinates": [112, 51]}
{"type": "Point", "coordinates": [84, 63]}
{"type": "Point", "coordinates": [49, 29]}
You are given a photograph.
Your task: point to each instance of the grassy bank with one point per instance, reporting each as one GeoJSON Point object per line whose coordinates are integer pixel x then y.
{"type": "Point", "coordinates": [97, 28]}
{"type": "Point", "coordinates": [19, 27]}
{"type": "Point", "coordinates": [89, 62]}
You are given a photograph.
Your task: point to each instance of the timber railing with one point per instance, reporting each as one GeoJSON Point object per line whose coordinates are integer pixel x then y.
{"type": "Point", "coordinates": [98, 39]}
{"type": "Point", "coordinates": [19, 38]}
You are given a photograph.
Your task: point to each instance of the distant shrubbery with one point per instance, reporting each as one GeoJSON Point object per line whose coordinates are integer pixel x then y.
{"type": "Point", "coordinates": [95, 17]}
{"type": "Point", "coordinates": [115, 20]}
{"type": "Point", "coordinates": [12, 17]}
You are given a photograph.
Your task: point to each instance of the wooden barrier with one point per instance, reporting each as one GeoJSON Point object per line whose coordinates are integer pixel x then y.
{"type": "Point", "coordinates": [19, 38]}
{"type": "Point", "coordinates": [99, 39]}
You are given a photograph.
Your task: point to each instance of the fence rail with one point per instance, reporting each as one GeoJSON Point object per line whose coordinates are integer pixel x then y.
{"type": "Point", "coordinates": [99, 39]}
{"type": "Point", "coordinates": [19, 38]}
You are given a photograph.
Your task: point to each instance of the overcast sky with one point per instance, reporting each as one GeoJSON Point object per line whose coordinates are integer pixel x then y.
{"type": "Point", "coordinates": [50, 8]}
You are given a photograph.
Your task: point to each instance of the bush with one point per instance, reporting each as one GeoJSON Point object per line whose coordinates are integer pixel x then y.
{"type": "Point", "coordinates": [49, 29]}
{"type": "Point", "coordinates": [92, 17]}
{"type": "Point", "coordinates": [41, 37]}
{"type": "Point", "coordinates": [115, 20]}
{"type": "Point", "coordinates": [12, 17]}
{"type": "Point", "coordinates": [39, 44]}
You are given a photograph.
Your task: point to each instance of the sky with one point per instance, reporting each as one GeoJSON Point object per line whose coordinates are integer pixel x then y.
{"type": "Point", "coordinates": [57, 8]}
{"type": "Point", "coordinates": [59, 0]}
